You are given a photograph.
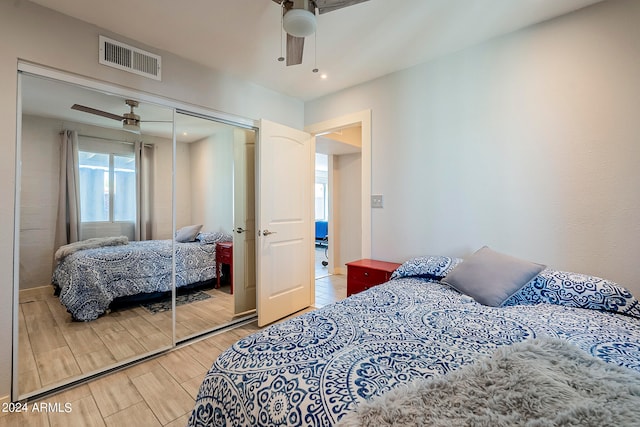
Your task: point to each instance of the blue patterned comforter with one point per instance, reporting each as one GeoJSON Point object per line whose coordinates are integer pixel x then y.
{"type": "Point", "coordinates": [89, 280]}
{"type": "Point", "coordinates": [313, 369]}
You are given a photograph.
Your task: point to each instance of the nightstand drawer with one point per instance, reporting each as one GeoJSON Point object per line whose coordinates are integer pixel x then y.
{"type": "Point", "coordinates": [356, 287]}
{"type": "Point", "coordinates": [225, 257]}
{"type": "Point", "coordinates": [367, 275]}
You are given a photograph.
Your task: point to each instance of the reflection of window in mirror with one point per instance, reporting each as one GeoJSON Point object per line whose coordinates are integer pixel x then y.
{"type": "Point", "coordinates": [107, 187]}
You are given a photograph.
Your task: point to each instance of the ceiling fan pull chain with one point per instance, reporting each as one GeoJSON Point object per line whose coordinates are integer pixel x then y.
{"type": "Point", "coordinates": [281, 57]}
{"type": "Point", "coordinates": [315, 52]}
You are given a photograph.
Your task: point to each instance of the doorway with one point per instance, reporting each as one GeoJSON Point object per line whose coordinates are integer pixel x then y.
{"type": "Point", "coordinates": [343, 178]}
{"type": "Point", "coordinates": [321, 209]}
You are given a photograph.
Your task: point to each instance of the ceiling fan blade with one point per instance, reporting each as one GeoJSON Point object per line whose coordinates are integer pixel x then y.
{"type": "Point", "coordinates": [295, 46]}
{"type": "Point", "coordinates": [96, 112]}
{"type": "Point", "coordinates": [325, 6]}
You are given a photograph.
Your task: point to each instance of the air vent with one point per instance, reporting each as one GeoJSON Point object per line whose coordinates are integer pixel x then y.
{"type": "Point", "coordinates": [128, 58]}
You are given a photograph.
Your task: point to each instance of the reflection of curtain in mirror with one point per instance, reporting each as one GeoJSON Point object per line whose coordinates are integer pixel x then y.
{"type": "Point", "coordinates": [68, 219]}
{"type": "Point", "coordinates": [144, 160]}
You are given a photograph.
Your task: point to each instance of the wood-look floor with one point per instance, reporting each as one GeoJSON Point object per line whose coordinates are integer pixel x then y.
{"type": "Point", "coordinates": [157, 392]}
{"type": "Point", "coordinates": [54, 349]}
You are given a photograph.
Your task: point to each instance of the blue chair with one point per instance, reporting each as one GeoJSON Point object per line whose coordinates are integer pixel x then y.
{"type": "Point", "coordinates": [322, 238]}
{"type": "Point", "coordinates": [322, 234]}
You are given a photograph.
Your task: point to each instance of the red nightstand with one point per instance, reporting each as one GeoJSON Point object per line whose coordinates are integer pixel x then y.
{"type": "Point", "coordinates": [224, 255]}
{"type": "Point", "coordinates": [366, 273]}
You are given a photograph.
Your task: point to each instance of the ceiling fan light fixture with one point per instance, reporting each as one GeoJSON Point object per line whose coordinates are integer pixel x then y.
{"type": "Point", "coordinates": [131, 124]}
{"type": "Point", "coordinates": [131, 128]}
{"type": "Point", "coordinates": [299, 22]}
{"type": "Point", "coordinates": [131, 121]}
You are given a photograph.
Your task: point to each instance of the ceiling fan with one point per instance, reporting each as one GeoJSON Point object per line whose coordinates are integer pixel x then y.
{"type": "Point", "coordinates": [130, 120]}
{"type": "Point", "coordinates": [299, 21]}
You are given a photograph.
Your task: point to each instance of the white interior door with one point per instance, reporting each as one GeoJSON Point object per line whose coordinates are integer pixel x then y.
{"type": "Point", "coordinates": [244, 231]}
{"type": "Point", "coordinates": [285, 229]}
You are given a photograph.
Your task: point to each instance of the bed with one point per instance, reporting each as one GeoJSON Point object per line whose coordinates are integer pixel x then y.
{"type": "Point", "coordinates": [314, 369]}
{"type": "Point", "coordinates": [90, 280]}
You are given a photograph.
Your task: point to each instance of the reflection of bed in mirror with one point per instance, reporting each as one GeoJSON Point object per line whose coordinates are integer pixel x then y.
{"type": "Point", "coordinates": [117, 271]}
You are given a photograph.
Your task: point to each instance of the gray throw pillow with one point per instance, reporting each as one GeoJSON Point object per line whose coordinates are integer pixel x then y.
{"type": "Point", "coordinates": [490, 277]}
{"type": "Point", "coordinates": [188, 233]}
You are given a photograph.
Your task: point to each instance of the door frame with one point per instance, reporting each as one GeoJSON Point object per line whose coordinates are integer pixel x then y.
{"type": "Point", "coordinates": [362, 118]}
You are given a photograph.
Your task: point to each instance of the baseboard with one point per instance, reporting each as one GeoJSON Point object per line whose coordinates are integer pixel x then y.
{"type": "Point", "coordinates": [24, 293]}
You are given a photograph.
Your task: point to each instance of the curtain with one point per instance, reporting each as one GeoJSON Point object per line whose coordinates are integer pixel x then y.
{"type": "Point", "coordinates": [68, 219]}
{"type": "Point", "coordinates": [144, 157]}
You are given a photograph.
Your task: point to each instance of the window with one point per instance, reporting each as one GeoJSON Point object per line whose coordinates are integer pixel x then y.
{"type": "Point", "coordinates": [321, 201]}
{"type": "Point", "coordinates": [107, 187]}
{"type": "Point", "coordinates": [321, 187]}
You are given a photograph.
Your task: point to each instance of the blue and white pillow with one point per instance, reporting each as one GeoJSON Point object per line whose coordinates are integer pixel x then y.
{"type": "Point", "coordinates": [213, 237]}
{"type": "Point", "coordinates": [576, 290]}
{"type": "Point", "coordinates": [433, 267]}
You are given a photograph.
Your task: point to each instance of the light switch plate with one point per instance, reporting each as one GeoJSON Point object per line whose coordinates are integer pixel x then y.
{"type": "Point", "coordinates": [376, 201]}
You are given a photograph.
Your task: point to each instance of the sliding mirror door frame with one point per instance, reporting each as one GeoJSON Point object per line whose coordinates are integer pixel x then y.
{"type": "Point", "coordinates": [112, 89]}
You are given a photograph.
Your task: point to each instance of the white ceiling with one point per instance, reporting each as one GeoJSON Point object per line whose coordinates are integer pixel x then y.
{"type": "Point", "coordinates": [53, 99]}
{"type": "Point", "coordinates": [355, 44]}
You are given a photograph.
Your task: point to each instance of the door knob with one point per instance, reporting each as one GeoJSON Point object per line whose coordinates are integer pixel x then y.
{"type": "Point", "coordinates": [240, 230]}
{"type": "Point", "coordinates": [267, 232]}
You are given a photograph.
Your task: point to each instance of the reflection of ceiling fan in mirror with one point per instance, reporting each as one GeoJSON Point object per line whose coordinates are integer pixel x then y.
{"type": "Point", "coordinates": [299, 21]}
{"type": "Point", "coordinates": [130, 121]}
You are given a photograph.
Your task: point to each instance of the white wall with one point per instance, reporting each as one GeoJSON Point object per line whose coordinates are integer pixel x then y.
{"type": "Point", "coordinates": [527, 143]}
{"type": "Point", "coordinates": [183, 186]}
{"type": "Point", "coordinates": [212, 182]}
{"type": "Point", "coordinates": [39, 199]}
{"type": "Point", "coordinates": [35, 34]}
{"type": "Point", "coordinates": [347, 185]}
{"type": "Point", "coordinates": [161, 199]}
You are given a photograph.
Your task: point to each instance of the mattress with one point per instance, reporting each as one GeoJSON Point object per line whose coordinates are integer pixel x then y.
{"type": "Point", "coordinates": [313, 369]}
{"type": "Point", "coordinates": [89, 280]}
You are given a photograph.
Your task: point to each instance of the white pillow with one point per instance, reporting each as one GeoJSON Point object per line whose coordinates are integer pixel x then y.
{"type": "Point", "coordinates": [188, 233]}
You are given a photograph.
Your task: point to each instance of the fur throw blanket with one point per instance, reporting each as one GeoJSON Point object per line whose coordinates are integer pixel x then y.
{"type": "Point", "coordinates": [96, 242]}
{"type": "Point", "coordinates": [541, 382]}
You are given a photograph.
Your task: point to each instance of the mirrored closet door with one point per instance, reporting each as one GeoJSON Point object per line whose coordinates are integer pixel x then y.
{"type": "Point", "coordinates": [135, 230]}
{"type": "Point", "coordinates": [209, 203]}
{"type": "Point", "coordinates": [204, 155]}
{"type": "Point", "coordinates": [95, 233]}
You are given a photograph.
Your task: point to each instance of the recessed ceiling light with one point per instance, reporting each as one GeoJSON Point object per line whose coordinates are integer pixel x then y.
{"type": "Point", "coordinates": [323, 76]}
{"type": "Point", "coordinates": [184, 134]}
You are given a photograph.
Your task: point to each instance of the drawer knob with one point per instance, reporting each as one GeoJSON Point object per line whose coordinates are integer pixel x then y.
{"type": "Point", "coordinates": [366, 273]}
